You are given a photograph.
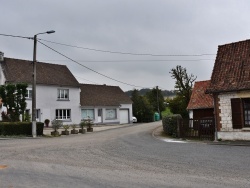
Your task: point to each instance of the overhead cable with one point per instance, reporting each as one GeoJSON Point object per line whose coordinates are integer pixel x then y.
{"type": "Point", "coordinates": [89, 68]}
{"type": "Point", "coordinates": [15, 36]}
{"type": "Point", "coordinates": [127, 53]}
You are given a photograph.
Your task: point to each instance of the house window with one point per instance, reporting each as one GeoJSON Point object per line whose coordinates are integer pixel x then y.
{"type": "Point", "coordinates": [63, 94]}
{"type": "Point", "coordinates": [240, 112]}
{"type": "Point", "coordinates": [28, 94]}
{"type": "Point", "coordinates": [63, 114]}
{"type": "Point", "coordinates": [88, 114]}
{"type": "Point", "coordinates": [111, 113]}
{"type": "Point", "coordinates": [246, 111]}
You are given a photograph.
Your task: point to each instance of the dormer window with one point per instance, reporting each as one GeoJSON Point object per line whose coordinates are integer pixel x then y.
{"type": "Point", "coordinates": [63, 94]}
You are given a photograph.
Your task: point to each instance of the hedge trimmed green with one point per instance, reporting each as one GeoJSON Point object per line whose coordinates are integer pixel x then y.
{"type": "Point", "coordinates": [170, 124]}
{"type": "Point", "coordinates": [20, 128]}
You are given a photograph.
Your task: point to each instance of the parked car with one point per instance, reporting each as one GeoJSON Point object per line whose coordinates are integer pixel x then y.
{"type": "Point", "coordinates": [134, 119]}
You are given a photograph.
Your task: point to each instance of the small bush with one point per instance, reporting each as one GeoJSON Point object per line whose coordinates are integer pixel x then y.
{"type": "Point", "coordinates": [170, 124]}
{"type": "Point", "coordinates": [66, 127]}
{"type": "Point", "coordinates": [20, 128]}
{"type": "Point", "coordinates": [56, 124]}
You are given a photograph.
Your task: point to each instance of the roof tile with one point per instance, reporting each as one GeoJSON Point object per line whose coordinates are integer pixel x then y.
{"type": "Point", "coordinates": [231, 70]}
{"type": "Point", "coordinates": [200, 100]}
{"type": "Point", "coordinates": [102, 95]}
{"type": "Point", "coordinates": [16, 71]}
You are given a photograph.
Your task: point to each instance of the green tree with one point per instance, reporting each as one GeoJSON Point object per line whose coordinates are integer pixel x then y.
{"type": "Point", "coordinates": [183, 85]}
{"type": "Point", "coordinates": [156, 99]}
{"type": "Point", "coordinates": [20, 96]}
{"type": "Point", "coordinates": [14, 99]}
{"type": "Point", "coordinates": [178, 106]}
{"type": "Point", "coordinates": [141, 107]}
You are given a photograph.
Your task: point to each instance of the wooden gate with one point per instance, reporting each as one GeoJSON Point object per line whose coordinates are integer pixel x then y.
{"type": "Point", "coordinates": [202, 129]}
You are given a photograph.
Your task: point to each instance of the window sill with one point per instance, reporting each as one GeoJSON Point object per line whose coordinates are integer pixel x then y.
{"type": "Point", "coordinates": [63, 100]}
{"type": "Point", "coordinates": [64, 120]}
{"type": "Point", "coordinates": [246, 129]}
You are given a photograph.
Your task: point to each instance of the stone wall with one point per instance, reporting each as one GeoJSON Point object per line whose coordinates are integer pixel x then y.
{"type": "Point", "coordinates": [225, 112]}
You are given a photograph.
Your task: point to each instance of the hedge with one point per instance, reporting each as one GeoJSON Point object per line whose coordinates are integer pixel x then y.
{"type": "Point", "coordinates": [20, 128]}
{"type": "Point", "coordinates": [170, 124]}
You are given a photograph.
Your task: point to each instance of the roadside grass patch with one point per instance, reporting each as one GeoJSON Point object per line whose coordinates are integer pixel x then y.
{"type": "Point", "coordinates": [166, 112]}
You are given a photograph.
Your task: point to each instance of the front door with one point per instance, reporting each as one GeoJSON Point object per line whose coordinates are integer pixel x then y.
{"type": "Point", "coordinates": [99, 115]}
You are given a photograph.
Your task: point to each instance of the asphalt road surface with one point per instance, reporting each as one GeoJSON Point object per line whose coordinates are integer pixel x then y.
{"type": "Point", "coordinates": [124, 157]}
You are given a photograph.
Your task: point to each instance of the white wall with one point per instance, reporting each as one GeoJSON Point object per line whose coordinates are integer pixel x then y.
{"type": "Point", "coordinates": [110, 121]}
{"type": "Point", "coordinates": [47, 102]}
{"type": "Point", "coordinates": [128, 106]}
{"type": "Point", "coordinates": [2, 77]}
{"type": "Point", "coordinates": [191, 114]}
{"type": "Point", "coordinates": [104, 120]}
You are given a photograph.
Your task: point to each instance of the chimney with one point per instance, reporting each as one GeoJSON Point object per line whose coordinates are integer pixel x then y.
{"type": "Point", "coordinates": [1, 56]}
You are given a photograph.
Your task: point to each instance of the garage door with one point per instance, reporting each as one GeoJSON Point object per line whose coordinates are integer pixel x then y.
{"type": "Point", "coordinates": [124, 117]}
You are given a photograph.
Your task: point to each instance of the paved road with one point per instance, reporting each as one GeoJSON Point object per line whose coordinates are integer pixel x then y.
{"type": "Point", "coordinates": [124, 157]}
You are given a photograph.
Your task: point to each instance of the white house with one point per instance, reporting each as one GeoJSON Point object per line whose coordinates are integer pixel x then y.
{"type": "Point", "coordinates": [60, 96]}
{"type": "Point", "coordinates": [105, 104]}
{"type": "Point", "coordinates": [57, 90]}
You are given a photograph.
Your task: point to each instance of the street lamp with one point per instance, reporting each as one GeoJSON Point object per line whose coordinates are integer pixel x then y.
{"type": "Point", "coordinates": [34, 84]}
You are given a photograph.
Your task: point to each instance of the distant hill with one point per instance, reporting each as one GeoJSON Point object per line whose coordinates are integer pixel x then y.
{"type": "Point", "coordinates": [165, 93]}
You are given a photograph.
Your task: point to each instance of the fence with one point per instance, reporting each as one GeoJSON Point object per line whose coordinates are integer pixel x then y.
{"type": "Point", "coordinates": [202, 129]}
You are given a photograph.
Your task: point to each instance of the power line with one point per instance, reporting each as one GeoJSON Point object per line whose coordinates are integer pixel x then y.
{"type": "Point", "coordinates": [126, 53]}
{"type": "Point", "coordinates": [15, 36]}
{"type": "Point", "coordinates": [87, 80]}
{"type": "Point", "coordinates": [88, 67]}
{"type": "Point", "coordinates": [153, 60]}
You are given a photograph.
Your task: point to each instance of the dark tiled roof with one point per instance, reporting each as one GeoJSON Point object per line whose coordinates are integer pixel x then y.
{"type": "Point", "coordinates": [102, 95]}
{"type": "Point", "coordinates": [231, 70]}
{"type": "Point", "coordinates": [200, 100]}
{"type": "Point", "coordinates": [16, 71]}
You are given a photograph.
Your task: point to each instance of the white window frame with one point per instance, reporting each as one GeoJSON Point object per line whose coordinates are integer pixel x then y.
{"type": "Point", "coordinates": [28, 93]}
{"type": "Point", "coordinates": [63, 114]}
{"type": "Point", "coordinates": [108, 113]}
{"type": "Point", "coordinates": [63, 94]}
{"type": "Point", "coordinates": [93, 110]}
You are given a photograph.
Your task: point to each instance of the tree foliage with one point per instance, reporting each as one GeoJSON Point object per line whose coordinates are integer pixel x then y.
{"type": "Point", "coordinates": [183, 85]}
{"type": "Point", "coordinates": [13, 97]}
{"type": "Point", "coordinates": [178, 106]}
{"type": "Point", "coordinates": [156, 99]}
{"type": "Point", "coordinates": [141, 107]}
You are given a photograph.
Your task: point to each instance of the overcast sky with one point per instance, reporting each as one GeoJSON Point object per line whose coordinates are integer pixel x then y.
{"type": "Point", "coordinates": [159, 28]}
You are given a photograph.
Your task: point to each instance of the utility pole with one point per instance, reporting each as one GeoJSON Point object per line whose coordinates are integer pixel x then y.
{"type": "Point", "coordinates": [158, 100]}
{"type": "Point", "coordinates": [34, 84]}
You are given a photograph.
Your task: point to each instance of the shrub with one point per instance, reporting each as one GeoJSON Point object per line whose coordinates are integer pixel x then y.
{"type": "Point", "coordinates": [56, 124]}
{"type": "Point", "coordinates": [66, 127]}
{"type": "Point", "coordinates": [73, 126]}
{"type": "Point", "coordinates": [20, 128]}
{"type": "Point", "coordinates": [86, 123]}
{"type": "Point", "coordinates": [170, 124]}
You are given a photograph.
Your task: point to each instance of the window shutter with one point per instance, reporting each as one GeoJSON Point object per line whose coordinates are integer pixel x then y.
{"type": "Point", "coordinates": [237, 117]}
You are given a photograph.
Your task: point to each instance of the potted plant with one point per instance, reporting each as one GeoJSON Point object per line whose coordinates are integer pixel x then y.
{"type": "Point", "coordinates": [65, 132]}
{"type": "Point", "coordinates": [46, 122]}
{"type": "Point", "coordinates": [56, 124]}
{"type": "Point", "coordinates": [89, 123]}
{"type": "Point", "coordinates": [82, 125]}
{"type": "Point", "coordinates": [74, 131]}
